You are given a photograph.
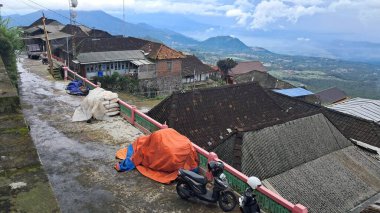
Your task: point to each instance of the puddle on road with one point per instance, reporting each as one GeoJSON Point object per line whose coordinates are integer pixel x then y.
{"type": "Point", "coordinates": [81, 172]}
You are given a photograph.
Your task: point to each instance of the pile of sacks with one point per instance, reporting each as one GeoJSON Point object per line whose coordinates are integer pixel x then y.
{"type": "Point", "coordinates": [110, 103]}
{"type": "Point", "coordinates": [98, 104]}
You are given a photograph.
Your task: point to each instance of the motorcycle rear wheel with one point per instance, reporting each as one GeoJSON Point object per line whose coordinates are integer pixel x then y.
{"type": "Point", "coordinates": [227, 201]}
{"type": "Point", "coordinates": [181, 186]}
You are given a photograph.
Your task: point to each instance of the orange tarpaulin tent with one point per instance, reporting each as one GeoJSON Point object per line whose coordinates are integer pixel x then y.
{"type": "Point", "coordinates": [160, 155]}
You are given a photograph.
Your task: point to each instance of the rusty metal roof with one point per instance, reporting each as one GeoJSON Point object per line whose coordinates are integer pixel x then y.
{"type": "Point", "coordinates": [247, 66]}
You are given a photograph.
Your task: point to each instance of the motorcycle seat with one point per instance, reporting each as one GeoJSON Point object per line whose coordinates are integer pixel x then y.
{"type": "Point", "coordinates": [198, 178]}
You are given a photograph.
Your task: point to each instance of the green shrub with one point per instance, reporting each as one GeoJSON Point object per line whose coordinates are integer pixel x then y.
{"type": "Point", "coordinates": [117, 82]}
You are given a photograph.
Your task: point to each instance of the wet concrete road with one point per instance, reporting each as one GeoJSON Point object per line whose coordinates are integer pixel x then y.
{"type": "Point", "coordinates": [79, 157]}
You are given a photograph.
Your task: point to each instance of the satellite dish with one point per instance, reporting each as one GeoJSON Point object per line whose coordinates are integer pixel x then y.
{"type": "Point", "coordinates": [74, 3]}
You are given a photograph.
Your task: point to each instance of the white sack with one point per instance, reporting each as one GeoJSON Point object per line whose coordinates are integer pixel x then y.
{"type": "Point", "coordinates": [113, 110]}
{"type": "Point", "coordinates": [110, 106]}
{"type": "Point", "coordinates": [108, 96]}
{"type": "Point", "coordinates": [112, 113]}
{"type": "Point", "coordinates": [92, 105]}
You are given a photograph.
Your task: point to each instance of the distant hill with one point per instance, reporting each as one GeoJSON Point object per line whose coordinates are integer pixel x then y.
{"type": "Point", "coordinates": [223, 44]}
{"type": "Point", "coordinates": [104, 21]}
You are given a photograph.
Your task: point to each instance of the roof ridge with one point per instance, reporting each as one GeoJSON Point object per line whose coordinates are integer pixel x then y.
{"type": "Point", "coordinates": [219, 87]}
{"type": "Point", "coordinates": [280, 122]}
{"type": "Point", "coordinates": [159, 51]}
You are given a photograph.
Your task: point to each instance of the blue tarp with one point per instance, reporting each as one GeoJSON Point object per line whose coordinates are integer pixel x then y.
{"type": "Point", "coordinates": [74, 88]}
{"type": "Point", "coordinates": [294, 92]}
{"type": "Point", "coordinates": [127, 164]}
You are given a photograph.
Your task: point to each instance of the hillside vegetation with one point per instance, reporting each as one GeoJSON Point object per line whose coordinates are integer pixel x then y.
{"type": "Point", "coordinates": [357, 79]}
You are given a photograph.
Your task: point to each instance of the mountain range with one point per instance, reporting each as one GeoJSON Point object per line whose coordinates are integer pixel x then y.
{"type": "Point", "coordinates": [178, 30]}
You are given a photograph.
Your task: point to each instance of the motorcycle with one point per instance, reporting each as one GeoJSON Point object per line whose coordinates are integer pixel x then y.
{"type": "Point", "coordinates": [191, 184]}
{"type": "Point", "coordinates": [247, 202]}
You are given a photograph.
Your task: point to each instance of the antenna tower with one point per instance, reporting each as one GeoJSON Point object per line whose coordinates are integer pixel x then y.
{"type": "Point", "coordinates": [73, 14]}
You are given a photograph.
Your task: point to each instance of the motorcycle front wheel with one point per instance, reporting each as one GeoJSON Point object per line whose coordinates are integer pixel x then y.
{"type": "Point", "coordinates": [183, 189]}
{"type": "Point", "coordinates": [227, 201]}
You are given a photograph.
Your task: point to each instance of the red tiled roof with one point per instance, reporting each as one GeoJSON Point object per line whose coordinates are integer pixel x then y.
{"type": "Point", "coordinates": [159, 51]}
{"type": "Point", "coordinates": [247, 66]}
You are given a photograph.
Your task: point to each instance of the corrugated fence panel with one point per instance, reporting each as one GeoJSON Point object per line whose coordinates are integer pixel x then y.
{"type": "Point", "coordinates": [145, 123]}
{"type": "Point", "coordinates": [269, 205]}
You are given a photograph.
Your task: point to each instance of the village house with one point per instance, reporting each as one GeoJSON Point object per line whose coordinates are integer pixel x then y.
{"type": "Point", "coordinates": [304, 155]}
{"type": "Point", "coordinates": [331, 96]}
{"type": "Point", "coordinates": [299, 93]}
{"type": "Point", "coordinates": [173, 69]}
{"type": "Point", "coordinates": [253, 71]}
{"type": "Point", "coordinates": [245, 67]}
{"type": "Point", "coordinates": [34, 34]}
{"type": "Point", "coordinates": [265, 80]}
{"type": "Point", "coordinates": [194, 70]}
{"type": "Point", "coordinates": [295, 147]}
{"type": "Point", "coordinates": [128, 62]}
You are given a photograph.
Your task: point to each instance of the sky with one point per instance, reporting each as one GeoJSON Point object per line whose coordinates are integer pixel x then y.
{"type": "Point", "coordinates": [349, 19]}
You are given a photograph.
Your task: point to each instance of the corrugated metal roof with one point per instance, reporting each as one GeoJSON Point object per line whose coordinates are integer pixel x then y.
{"type": "Point", "coordinates": [364, 108]}
{"type": "Point", "coordinates": [52, 36]}
{"type": "Point", "coordinates": [141, 62]}
{"type": "Point", "coordinates": [294, 92]}
{"type": "Point", "coordinates": [31, 29]}
{"type": "Point", "coordinates": [96, 57]}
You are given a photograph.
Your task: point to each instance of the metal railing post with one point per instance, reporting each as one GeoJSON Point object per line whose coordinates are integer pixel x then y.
{"type": "Point", "coordinates": [133, 112]}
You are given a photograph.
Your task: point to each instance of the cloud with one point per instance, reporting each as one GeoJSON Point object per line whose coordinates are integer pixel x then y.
{"type": "Point", "coordinates": [303, 39]}
{"type": "Point", "coordinates": [255, 14]}
{"type": "Point", "coordinates": [209, 30]}
{"type": "Point", "coordinates": [199, 7]}
{"type": "Point", "coordinates": [267, 12]}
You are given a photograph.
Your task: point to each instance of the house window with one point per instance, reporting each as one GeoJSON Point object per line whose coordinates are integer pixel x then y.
{"type": "Point", "coordinates": [123, 66]}
{"type": "Point", "coordinates": [169, 63]}
{"type": "Point", "coordinates": [108, 66]}
{"type": "Point", "coordinates": [111, 66]}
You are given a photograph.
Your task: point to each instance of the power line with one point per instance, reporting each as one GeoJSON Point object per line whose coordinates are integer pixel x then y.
{"type": "Point", "coordinates": [53, 11]}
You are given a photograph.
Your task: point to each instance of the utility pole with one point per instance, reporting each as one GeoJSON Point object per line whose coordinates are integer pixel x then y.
{"type": "Point", "coordinates": [67, 52]}
{"type": "Point", "coordinates": [125, 25]}
{"type": "Point", "coordinates": [1, 18]}
{"type": "Point", "coordinates": [47, 45]}
{"type": "Point", "coordinates": [73, 4]}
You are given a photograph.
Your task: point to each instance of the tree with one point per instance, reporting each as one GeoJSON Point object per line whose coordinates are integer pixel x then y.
{"type": "Point", "coordinates": [225, 65]}
{"type": "Point", "coordinates": [10, 43]}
